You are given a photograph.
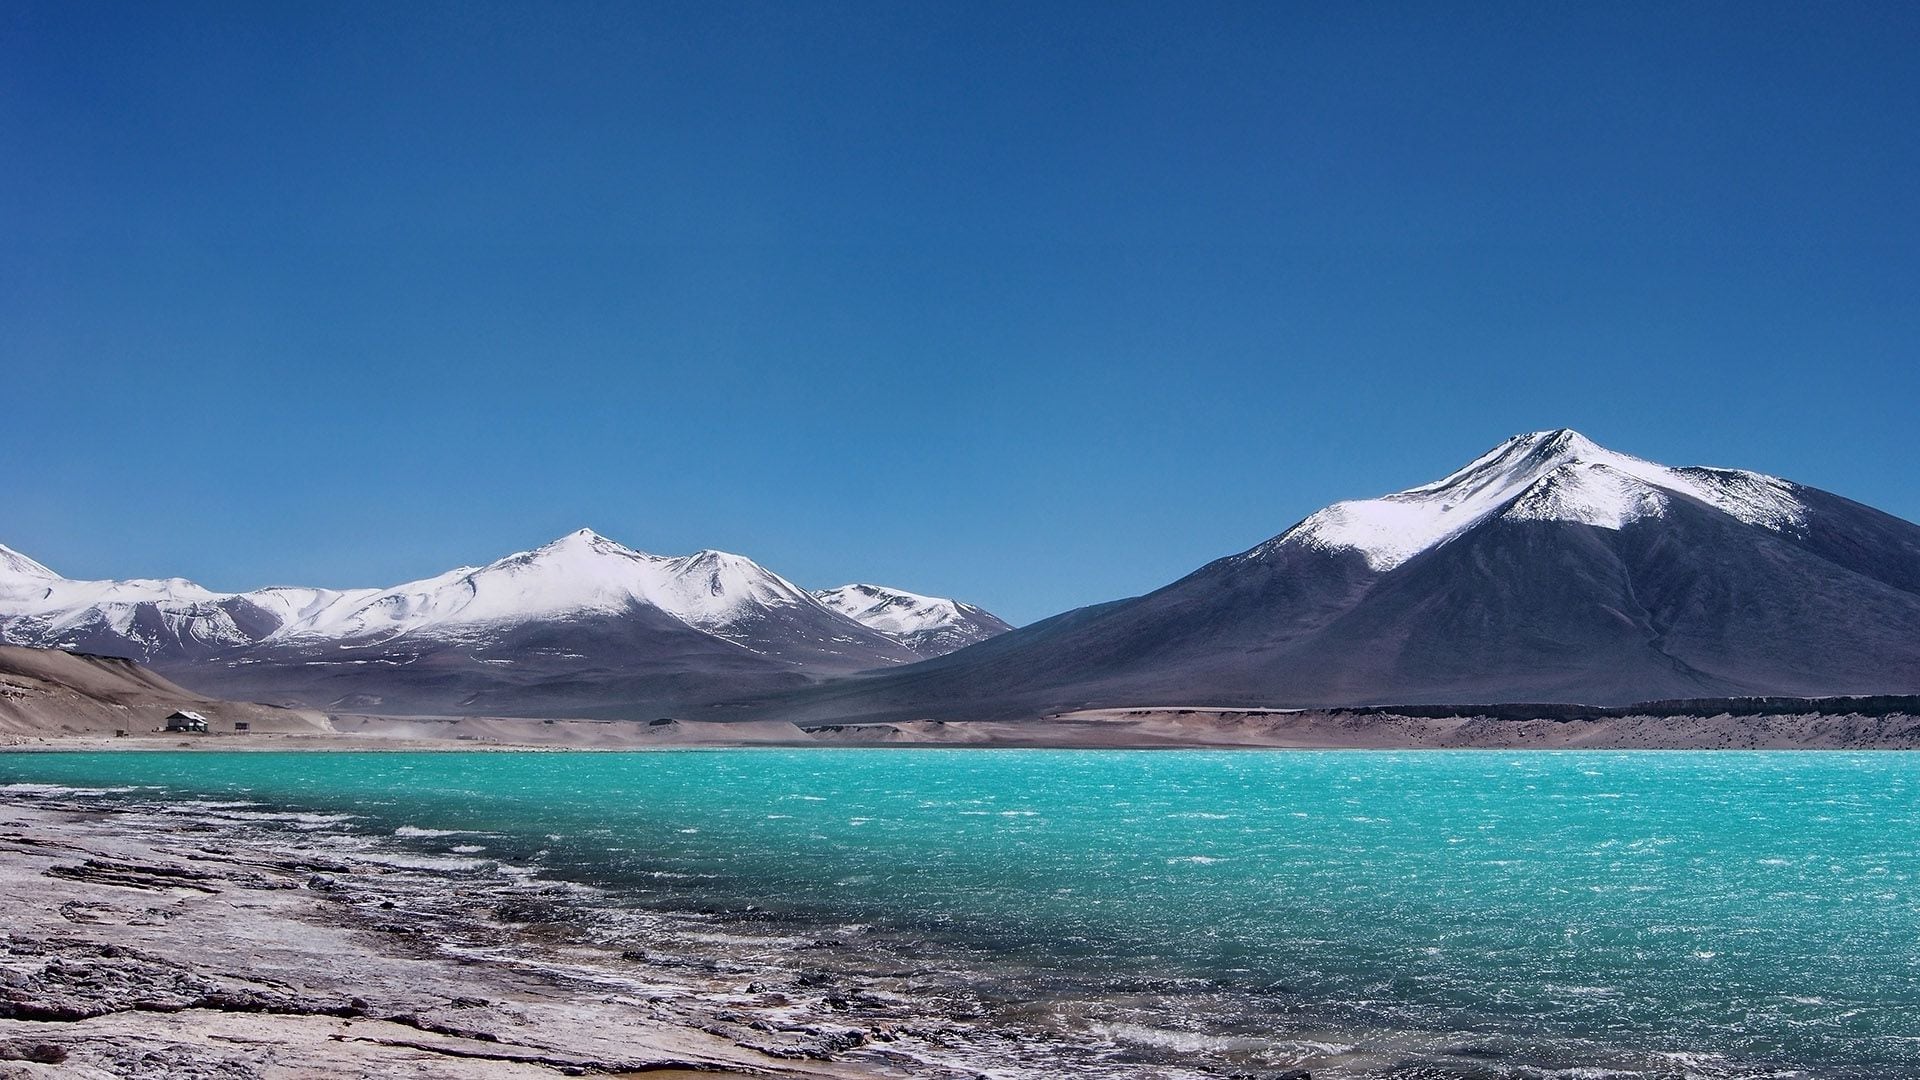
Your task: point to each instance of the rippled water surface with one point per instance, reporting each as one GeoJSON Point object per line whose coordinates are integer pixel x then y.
{"type": "Point", "coordinates": [1710, 914]}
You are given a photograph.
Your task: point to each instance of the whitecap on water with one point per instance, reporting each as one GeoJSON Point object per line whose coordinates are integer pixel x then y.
{"type": "Point", "coordinates": [424, 862]}
{"type": "Point", "coordinates": [60, 789]}
{"type": "Point", "coordinates": [415, 830]}
{"type": "Point", "coordinates": [304, 821]}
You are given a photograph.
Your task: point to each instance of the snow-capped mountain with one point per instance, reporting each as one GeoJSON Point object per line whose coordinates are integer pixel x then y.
{"type": "Point", "coordinates": [1547, 569]}
{"type": "Point", "coordinates": [130, 618]}
{"type": "Point", "coordinates": [567, 620]}
{"type": "Point", "coordinates": [929, 625]}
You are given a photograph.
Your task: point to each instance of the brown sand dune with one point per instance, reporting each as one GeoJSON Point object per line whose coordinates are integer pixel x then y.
{"type": "Point", "coordinates": [49, 692]}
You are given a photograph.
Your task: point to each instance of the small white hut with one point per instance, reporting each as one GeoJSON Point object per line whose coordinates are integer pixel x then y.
{"type": "Point", "coordinates": [187, 721]}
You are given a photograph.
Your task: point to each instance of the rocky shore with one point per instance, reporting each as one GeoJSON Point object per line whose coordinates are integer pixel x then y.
{"type": "Point", "coordinates": [132, 949]}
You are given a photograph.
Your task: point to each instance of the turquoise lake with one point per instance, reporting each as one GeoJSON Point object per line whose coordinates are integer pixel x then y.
{"type": "Point", "coordinates": [1649, 913]}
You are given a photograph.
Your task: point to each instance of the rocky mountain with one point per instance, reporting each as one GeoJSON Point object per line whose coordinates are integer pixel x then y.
{"type": "Point", "coordinates": [1548, 569]}
{"type": "Point", "coordinates": [582, 625]}
{"type": "Point", "coordinates": [928, 625]}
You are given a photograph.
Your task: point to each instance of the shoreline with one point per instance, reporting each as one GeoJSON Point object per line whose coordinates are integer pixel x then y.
{"type": "Point", "coordinates": [1157, 728]}
{"type": "Point", "coordinates": [232, 941]}
{"type": "Point", "coordinates": [208, 952]}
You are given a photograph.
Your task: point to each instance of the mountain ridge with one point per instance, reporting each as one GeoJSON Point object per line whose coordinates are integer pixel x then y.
{"type": "Point", "coordinates": [667, 629]}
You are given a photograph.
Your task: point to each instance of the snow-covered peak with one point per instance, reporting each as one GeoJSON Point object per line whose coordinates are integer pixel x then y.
{"type": "Point", "coordinates": [888, 610]}
{"type": "Point", "coordinates": [585, 540]}
{"type": "Point", "coordinates": [17, 567]}
{"type": "Point", "coordinates": [712, 588]}
{"type": "Point", "coordinates": [29, 588]}
{"type": "Point", "coordinates": [1558, 475]}
{"type": "Point", "coordinates": [39, 607]}
{"type": "Point", "coordinates": [930, 625]}
{"type": "Point", "coordinates": [579, 573]}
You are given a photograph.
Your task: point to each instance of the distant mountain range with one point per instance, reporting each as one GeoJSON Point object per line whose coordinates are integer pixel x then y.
{"type": "Point", "coordinates": [1548, 569]}
{"type": "Point", "coordinates": [582, 625]}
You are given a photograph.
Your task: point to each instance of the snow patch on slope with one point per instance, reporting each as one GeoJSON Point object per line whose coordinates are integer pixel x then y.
{"type": "Point", "coordinates": [1752, 497]}
{"type": "Point", "coordinates": [1588, 493]}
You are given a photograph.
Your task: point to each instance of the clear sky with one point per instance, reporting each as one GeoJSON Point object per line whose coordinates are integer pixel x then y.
{"type": "Point", "coordinates": [1032, 304]}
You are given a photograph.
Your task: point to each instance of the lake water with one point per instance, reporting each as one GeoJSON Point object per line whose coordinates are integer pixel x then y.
{"type": "Point", "coordinates": [1713, 914]}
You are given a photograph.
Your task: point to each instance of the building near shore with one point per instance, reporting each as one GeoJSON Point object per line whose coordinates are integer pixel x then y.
{"type": "Point", "coordinates": [186, 721]}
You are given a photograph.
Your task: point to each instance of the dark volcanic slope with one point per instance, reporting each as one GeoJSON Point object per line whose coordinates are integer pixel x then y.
{"type": "Point", "coordinates": [638, 663]}
{"type": "Point", "coordinates": [1568, 573]}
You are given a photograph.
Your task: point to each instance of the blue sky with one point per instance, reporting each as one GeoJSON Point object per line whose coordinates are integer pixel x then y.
{"type": "Point", "coordinates": [1035, 305]}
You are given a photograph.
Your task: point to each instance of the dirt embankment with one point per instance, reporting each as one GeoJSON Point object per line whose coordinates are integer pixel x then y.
{"type": "Point", "coordinates": [51, 693]}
